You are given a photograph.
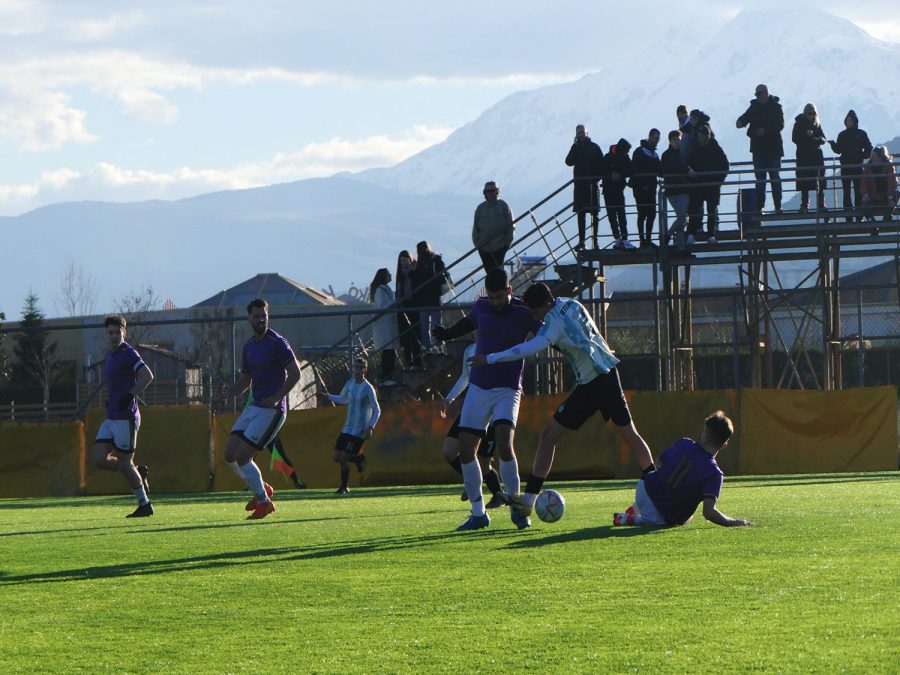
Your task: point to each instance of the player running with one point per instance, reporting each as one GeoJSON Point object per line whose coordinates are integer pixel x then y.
{"type": "Point", "coordinates": [269, 367]}
{"type": "Point", "coordinates": [688, 474]}
{"type": "Point", "coordinates": [486, 447]}
{"type": "Point", "coordinates": [126, 378]}
{"type": "Point", "coordinates": [363, 412]}
{"type": "Point", "coordinates": [568, 326]}
{"type": "Point", "coordinates": [494, 390]}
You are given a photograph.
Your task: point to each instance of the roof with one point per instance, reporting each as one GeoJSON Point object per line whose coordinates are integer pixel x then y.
{"type": "Point", "coordinates": [272, 287]}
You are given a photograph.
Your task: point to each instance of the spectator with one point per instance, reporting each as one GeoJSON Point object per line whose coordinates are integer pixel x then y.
{"type": "Point", "coordinates": [675, 181]}
{"type": "Point", "coordinates": [809, 139]}
{"type": "Point", "coordinates": [764, 120]}
{"type": "Point", "coordinates": [681, 114]}
{"type": "Point", "coordinates": [384, 329]}
{"type": "Point", "coordinates": [408, 321]}
{"type": "Point", "coordinates": [586, 159]}
{"type": "Point", "coordinates": [617, 170]}
{"type": "Point", "coordinates": [696, 119]}
{"type": "Point", "coordinates": [879, 185]}
{"type": "Point", "coordinates": [429, 277]}
{"type": "Point", "coordinates": [645, 168]}
{"type": "Point", "coordinates": [854, 146]}
{"type": "Point", "coordinates": [708, 167]}
{"type": "Point", "coordinates": [492, 232]}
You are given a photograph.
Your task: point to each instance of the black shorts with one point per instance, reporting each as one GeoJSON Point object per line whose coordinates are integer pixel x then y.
{"type": "Point", "coordinates": [486, 445]}
{"type": "Point", "coordinates": [603, 393]}
{"type": "Point", "coordinates": [349, 444]}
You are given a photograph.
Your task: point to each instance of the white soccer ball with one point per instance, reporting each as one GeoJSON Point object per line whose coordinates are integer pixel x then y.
{"type": "Point", "coordinates": [550, 506]}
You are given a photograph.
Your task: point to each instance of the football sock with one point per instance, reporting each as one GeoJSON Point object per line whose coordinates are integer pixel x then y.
{"type": "Point", "coordinates": [345, 476]}
{"type": "Point", "coordinates": [492, 480]}
{"type": "Point", "coordinates": [236, 468]}
{"type": "Point", "coordinates": [472, 481]}
{"type": "Point", "coordinates": [253, 476]}
{"type": "Point", "coordinates": [509, 472]}
{"type": "Point", "coordinates": [140, 495]}
{"type": "Point", "coordinates": [456, 465]}
{"type": "Point", "coordinates": [533, 486]}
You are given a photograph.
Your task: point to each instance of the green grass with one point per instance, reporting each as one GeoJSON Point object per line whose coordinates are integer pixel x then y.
{"type": "Point", "coordinates": [379, 582]}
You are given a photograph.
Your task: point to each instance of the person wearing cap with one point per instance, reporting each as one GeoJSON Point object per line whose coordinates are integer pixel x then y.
{"type": "Point", "coordinates": [493, 229]}
{"type": "Point", "coordinates": [707, 167]}
{"type": "Point", "coordinates": [764, 119]}
{"type": "Point", "coordinates": [854, 146]}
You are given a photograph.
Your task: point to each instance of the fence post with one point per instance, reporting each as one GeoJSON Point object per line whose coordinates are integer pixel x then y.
{"type": "Point", "coordinates": [861, 343]}
{"type": "Point", "coordinates": [735, 356]}
{"type": "Point", "coordinates": [12, 411]}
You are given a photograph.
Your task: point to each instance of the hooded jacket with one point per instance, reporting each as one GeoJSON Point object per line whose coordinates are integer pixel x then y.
{"type": "Point", "coordinates": [709, 160]}
{"type": "Point", "coordinates": [617, 162]}
{"type": "Point", "coordinates": [852, 144]}
{"type": "Point", "coordinates": [645, 167]}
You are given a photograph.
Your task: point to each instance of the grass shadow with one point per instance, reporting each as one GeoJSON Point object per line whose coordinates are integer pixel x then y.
{"type": "Point", "coordinates": [589, 533]}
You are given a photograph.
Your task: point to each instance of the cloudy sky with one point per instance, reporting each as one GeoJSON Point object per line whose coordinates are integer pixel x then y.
{"type": "Point", "coordinates": [126, 101]}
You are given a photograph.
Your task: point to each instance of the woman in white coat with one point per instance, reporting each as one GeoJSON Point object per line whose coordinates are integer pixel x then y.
{"type": "Point", "coordinates": [384, 329]}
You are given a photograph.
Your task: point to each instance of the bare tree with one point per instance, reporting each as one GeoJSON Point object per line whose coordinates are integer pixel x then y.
{"type": "Point", "coordinates": [135, 306]}
{"type": "Point", "coordinates": [212, 344]}
{"type": "Point", "coordinates": [77, 290]}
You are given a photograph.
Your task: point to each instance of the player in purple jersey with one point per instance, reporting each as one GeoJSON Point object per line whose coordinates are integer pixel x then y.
{"type": "Point", "coordinates": [269, 368]}
{"type": "Point", "coordinates": [687, 475]}
{"type": "Point", "coordinates": [494, 390]}
{"type": "Point", "coordinates": [126, 377]}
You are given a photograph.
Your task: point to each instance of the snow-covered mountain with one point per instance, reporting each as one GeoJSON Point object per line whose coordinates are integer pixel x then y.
{"type": "Point", "coordinates": [803, 55]}
{"type": "Point", "coordinates": [339, 230]}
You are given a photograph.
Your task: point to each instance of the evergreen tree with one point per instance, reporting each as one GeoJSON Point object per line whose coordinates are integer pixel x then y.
{"type": "Point", "coordinates": [35, 354]}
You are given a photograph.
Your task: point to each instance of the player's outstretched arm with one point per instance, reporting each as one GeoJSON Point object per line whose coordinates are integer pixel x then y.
{"type": "Point", "coordinates": [521, 351]}
{"type": "Point", "coordinates": [713, 515]}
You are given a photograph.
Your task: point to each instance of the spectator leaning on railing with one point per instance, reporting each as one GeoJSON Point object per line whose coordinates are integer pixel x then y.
{"type": "Point", "coordinates": [879, 185]}
{"type": "Point", "coordinates": [854, 147]}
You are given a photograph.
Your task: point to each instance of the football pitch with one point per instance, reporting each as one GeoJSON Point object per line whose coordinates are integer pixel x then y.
{"type": "Point", "coordinates": [378, 581]}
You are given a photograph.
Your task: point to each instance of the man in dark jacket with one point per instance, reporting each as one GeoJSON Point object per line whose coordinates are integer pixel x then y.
{"type": "Point", "coordinates": [586, 159]}
{"type": "Point", "coordinates": [428, 279]}
{"type": "Point", "coordinates": [708, 167]}
{"type": "Point", "coordinates": [695, 120]}
{"type": "Point", "coordinates": [645, 171]}
{"type": "Point", "coordinates": [764, 120]}
{"type": "Point", "coordinates": [854, 147]}
{"type": "Point", "coordinates": [615, 178]}
{"type": "Point", "coordinates": [675, 181]}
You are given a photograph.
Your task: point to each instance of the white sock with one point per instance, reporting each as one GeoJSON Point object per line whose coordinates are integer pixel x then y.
{"type": "Point", "coordinates": [472, 481]}
{"type": "Point", "coordinates": [140, 495]}
{"type": "Point", "coordinates": [509, 474]}
{"type": "Point", "coordinates": [236, 468]}
{"type": "Point", "coordinates": [529, 498]}
{"type": "Point", "coordinates": [251, 473]}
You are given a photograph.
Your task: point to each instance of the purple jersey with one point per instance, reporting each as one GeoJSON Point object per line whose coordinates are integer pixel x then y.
{"type": "Point", "coordinates": [688, 474]}
{"type": "Point", "coordinates": [121, 376]}
{"type": "Point", "coordinates": [497, 332]}
{"type": "Point", "coordinates": [265, 361]}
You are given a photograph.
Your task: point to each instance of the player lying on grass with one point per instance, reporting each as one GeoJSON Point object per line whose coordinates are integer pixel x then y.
{"type": "Point", "coordinates": [486, 446]}
{"type": "Point", "coordinates": [568, 326]}
{"type": "Point", "coordinates": [688, 474]}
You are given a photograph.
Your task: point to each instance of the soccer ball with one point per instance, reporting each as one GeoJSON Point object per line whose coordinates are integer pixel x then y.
{"type": "Point", "coordinates": [550, 506]}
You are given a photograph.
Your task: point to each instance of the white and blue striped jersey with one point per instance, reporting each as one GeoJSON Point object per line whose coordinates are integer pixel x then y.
{"type": "Point", "coordinates": [362, 406]}
{"type": "Point", "coordinates": [569, 327]}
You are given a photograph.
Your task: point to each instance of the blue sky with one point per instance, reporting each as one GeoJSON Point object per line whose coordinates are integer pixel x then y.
{"type": "Point", "coordinates": [129, 101]}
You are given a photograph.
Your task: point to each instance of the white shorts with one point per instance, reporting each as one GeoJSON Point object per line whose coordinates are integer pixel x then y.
{"type": "Point", "coordinates": [121, 433]}
{"type": "Point", "coordinates": [483, 405]}
{"type": "Point", "coordinates": [259, 426]}
{"type": "Point", "coordinates": [646, 507]}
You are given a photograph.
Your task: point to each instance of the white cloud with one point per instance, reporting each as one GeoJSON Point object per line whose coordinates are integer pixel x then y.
{"type": "Point", "coordinates": [109, 182]}
{"type": "Point", "coordinates": [95, 30]}
{"type": "Point", "coordinates": [40, 120]}
{"type": "Point", "coordinates": [888, 31]}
